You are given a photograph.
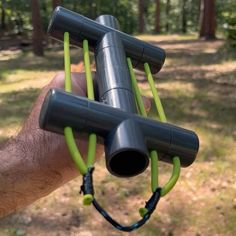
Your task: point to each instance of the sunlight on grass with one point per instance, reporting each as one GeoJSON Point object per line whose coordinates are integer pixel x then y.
{"type": "Point", "coordinates": [6, 55]}
{"type": "Point", "coordinates": [174, 37]}
{"type": "Point", "coordinates": [197, 88]}
{"type": "Point", "coordinates": [21, 79]}
{"type": "Point", "coordinates": [215, 146]}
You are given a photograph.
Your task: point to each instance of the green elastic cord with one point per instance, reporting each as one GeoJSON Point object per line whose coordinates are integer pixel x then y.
{"type": "Point", "coordinates": [154, 170]}
{"type": "Point", "coordinates": [89, 78]}
{"type": "Point", "coordinates": [176, 162]}
{"type": "Point", "coordinates": [153, 153]}
{"type": "Point", "coordinates": [143, 211]}
{"type": "Point", "coordinates": [92, 137]}
{"type": "Point", "coordinates": [156, 97]}
{"type": "Point", "coordinates": [174, 177]}
{"type": "Point", "coordinates": [70, 140]}
{"type": "Point", "coordinates": [92, 140]}
{"type": "Point", "coordinates": [136, 90]}
{"type": "Point", "coordinates": [69, 137]}
{"type": "Point", "coordinates": [87, 199]}
{"type": "Point", "coordinates": [68, 86]}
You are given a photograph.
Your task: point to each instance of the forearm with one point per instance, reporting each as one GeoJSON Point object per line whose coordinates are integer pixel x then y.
{"type": "Point", "coordinates": [29, 172]}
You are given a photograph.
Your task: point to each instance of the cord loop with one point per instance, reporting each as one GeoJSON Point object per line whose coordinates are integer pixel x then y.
{"type": "Point", "coordinates": [86, 169]}
{"type": "Point", "coordinates": [88, 191]}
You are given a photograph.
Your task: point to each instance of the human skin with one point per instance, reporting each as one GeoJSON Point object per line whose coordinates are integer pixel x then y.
{"type": "Point", "coordinates": [36, 162]}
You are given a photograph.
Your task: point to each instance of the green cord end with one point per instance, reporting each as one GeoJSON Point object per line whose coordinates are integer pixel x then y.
{"type": "Point", "coordinates": [143, 211]}
{"type": "Point", "coordinates": [87, 199]}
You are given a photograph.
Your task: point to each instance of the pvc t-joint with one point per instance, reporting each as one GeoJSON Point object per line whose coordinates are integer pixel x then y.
{"type": "Point", "coordinates": [80, 28]}
{"type": "Point", "coordinates": [127, 137]}
{"type": "Point", "coordinates": [120, 132]}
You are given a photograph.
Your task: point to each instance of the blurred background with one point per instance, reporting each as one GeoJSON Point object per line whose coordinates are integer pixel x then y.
{"type": "Point", "coordinates": [197, 86]}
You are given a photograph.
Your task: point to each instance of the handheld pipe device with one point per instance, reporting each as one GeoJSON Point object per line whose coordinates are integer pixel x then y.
{"type": "Point", "coordinates": [127, 136]}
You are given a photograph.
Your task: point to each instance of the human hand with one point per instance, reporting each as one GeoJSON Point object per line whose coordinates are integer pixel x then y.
{"type": "Point", "coordinates": [36, 162]}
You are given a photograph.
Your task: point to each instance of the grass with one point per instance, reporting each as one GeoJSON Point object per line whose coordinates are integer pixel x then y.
{"type": "Point", "coordinates": [197, 86]}
{"type": "Point", "coordinates": [22, 76]}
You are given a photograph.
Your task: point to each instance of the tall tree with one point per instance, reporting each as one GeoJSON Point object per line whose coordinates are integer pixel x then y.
{"type": "Point", "coordinates": [157, 17]}
{"type": "Point", "coordinates": [56, 3]}
{"type": "Point", "coordinates": [3, 15]}
{"type": "Point", "coordinates": [208, 19]}
{"type": "Point", "coordinates": [167, 26]}
{"type": "Point", "coordinates": [184, 16]}
{"type": "Point", "coordinates": [197, 15]}
{"type": "Point", "coordinates": [141, 9]}
{"type": "Point", "coordinates": [37, 28]}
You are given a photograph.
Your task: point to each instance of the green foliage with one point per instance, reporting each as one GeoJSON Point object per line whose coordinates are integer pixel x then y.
{"type": "Point", "coordinates": [226, 19]}
{"type": "Point", "coordinates": [18, 14]}
{"type": "Point", "coordinates": [174, 17]}
{"type": "Point", "coordinates": [124, 10]}
{"type": "Point", "coordinates": [231, 27]}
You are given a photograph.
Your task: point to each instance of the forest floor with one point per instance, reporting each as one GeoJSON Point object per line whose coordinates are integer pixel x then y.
{"type": "Point", "coordinates": [198, 88]}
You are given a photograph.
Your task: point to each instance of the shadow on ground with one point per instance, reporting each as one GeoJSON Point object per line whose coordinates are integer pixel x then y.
{"type": "Point", "coordinates": [53, 60]}
{"type": "Point", "coordinates": [197, 87]}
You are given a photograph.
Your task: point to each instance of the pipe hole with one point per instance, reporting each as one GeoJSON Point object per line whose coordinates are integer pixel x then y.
{"type": "Point", "coordinates": [128, 163]}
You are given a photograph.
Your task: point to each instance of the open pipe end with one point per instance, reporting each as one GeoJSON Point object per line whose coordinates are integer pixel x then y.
{"type": "Point", "coordinates": [128, 163]}
{"type": "Point", "coordinates": [126, 151]}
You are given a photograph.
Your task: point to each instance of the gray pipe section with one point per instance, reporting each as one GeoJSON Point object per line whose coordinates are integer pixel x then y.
{"type": "Point", "coordinates": [81, 27]}
{"type": "Point", "coordinates": [125, 150]}
{"type": "Point", "coordinates": [108, 20]}
{"type": "Point", "coordinates": [90, 116]}
{"type": "Point", "coordinates": [113, 78]}
{"type": "Point", "coordinates": [114, 83]}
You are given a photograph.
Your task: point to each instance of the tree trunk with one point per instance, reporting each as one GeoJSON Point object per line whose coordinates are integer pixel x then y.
{"type": "Point", "coordinates": [93, 8]}
{"type": "Point", "coordinates": [37, 28]}
{"type": "Point", "coordinates": [198, 16]}
{"type": "Point", "coordinates": [3, 17]}
{"type": "Point", "coordinates": [55, 3]}
{"type": "Point", "coordinates": [184, 16]}
{"type": "Point", "coordinates": [167, 15]}
{"type": "Point", "coordinates": [157, 17]}
{"type": "Point", "coordinates": [202, 19]}
{"type": "Point", "coordinates": [141, 16]}
{"type": "Point", "coordinates": [208, 19]}
{"type": "Point", "coordinates": [19, 23]}
{"type": "Point", "coordinates": [74, 6]}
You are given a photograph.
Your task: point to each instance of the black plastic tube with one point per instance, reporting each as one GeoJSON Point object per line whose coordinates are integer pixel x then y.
{"type": "Point", "coordinates": [61, 109]}
{"type": "Point", "coordinates": [126, 153]}
{"type": "Point", "coordinates": [80, 27]}
{"type": "Point", "coordinates": [114, 83]}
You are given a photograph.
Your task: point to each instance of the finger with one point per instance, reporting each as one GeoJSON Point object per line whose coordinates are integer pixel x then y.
{"type": "Point", "coordinates": [78, 81]}
{"type": "Point", "coordinates": [147, 103]}
{"type": "Point", "coordinates": [79, 84]}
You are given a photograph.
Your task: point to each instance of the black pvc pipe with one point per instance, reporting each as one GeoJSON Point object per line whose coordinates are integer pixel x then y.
{"type": "Point", "coordinates": [80, 27]}
{"type": "Point", "coordinates": [61, 109]}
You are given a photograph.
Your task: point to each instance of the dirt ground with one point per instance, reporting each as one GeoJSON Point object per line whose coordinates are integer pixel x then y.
{"type": "Point", "coordinates": [198, 88]}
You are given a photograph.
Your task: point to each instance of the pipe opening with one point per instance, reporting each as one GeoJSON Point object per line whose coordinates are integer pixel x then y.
{"type": "Point", "coordinates": [128, 163]}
